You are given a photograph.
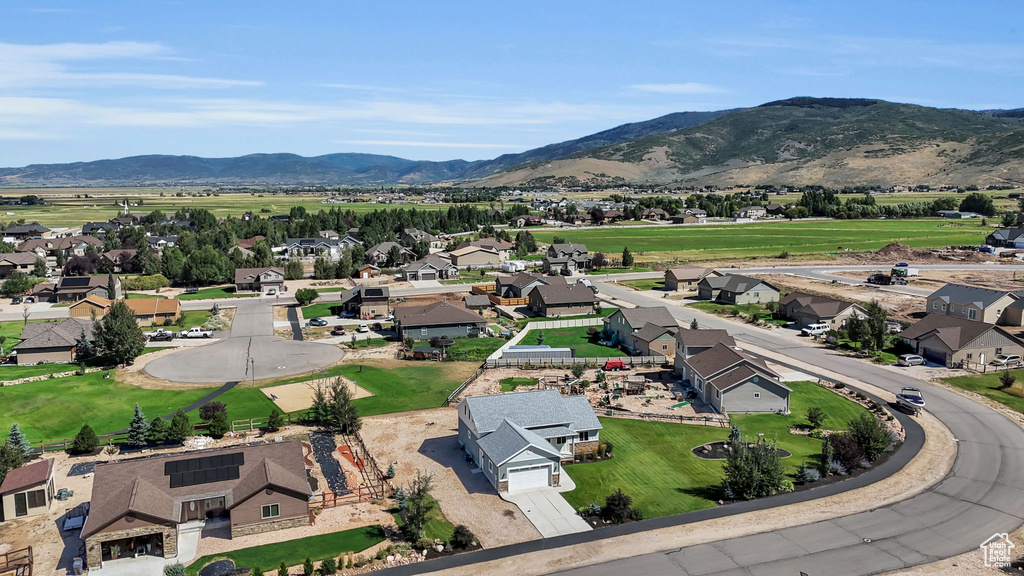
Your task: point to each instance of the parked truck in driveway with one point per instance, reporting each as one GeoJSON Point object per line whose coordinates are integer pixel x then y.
{"type": "Point", "coordinates": [195, 332]}
{"type": "Point", "coordinates": [160, 335]}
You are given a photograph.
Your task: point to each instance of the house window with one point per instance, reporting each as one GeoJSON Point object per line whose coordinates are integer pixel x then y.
{"type": "Point", "coordinates": [972, 313]}
{"type": "Point", "coordinates": [718, 393]}
{"type": "Point", "coordinates": [999, 350]}
{"type": "Point", "coordinates": [36, 498]}
{"type": "Point", "coordinates": [560, 440]}
{"type": "Point", "coordinates": [969, 356]}
{"type": "Point", "coordinates": [943, 307]}
{"type": "Point", "coordinates": [935, 305]}
{"type": "Point", "coordinates": [270, 511]}
{"type": "Point", "coordinates": [423, 331]}
{"type": "Point", "coordinates": [584, 436]}
{"type": "Point", "coordinates": [757, 394]}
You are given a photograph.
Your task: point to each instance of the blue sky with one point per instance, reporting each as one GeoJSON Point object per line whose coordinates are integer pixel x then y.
{"type": "Point", "coordinates": [441, 80]}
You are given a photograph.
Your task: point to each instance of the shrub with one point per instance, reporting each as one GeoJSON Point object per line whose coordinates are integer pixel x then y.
{"type": "Point", "coordinates": [85, 442]}
{"type": "Point", "coordinates": [608, 447]}
{"type": "Point", "coordinates": [815, 417]}
{"type": "Point", "coordinates": [1006, 380]}
{"type": "Point", "coordinates": [282, 570]}
{"type": "Point", "coordinates": [328, 566]}
{"type": "Point", "coordinates": [871, 435]}
{"type": "Point", "coordinates": [306, 295]}
{"type": "Point", "coordinates": [807, 474]}
{"type": "Point", "coordinates": [423, 543]}
{"type": "Point", "coordinates": [275, 421]}
{"type": "Point", "coordinates": [307, 568]}
{"type": "Point", "coordinates": [256, 571]}
{"type": "Point", "coordinates": [846, 450]}
{"type": "Point", "coordinates": [753, 471]}
{"type": "Point", "coordinates": [176, 569]}
{"type": "Point", "coordinates": [462, 538]}
{"type": "Point", "coordinates": [838, 468]}
{"type": "Point", "coordinates": [153, 282]}
{"type": "Point", "coordinates": [839, 386]}
{"type": "Point", "coordinates": [577, 370]}
{"type": "Point", "coordinates": [618, 508]}
{"type": "Point", "coordinates": [401, 498]}
{"type": "Point", "coordinates": [390, 473]}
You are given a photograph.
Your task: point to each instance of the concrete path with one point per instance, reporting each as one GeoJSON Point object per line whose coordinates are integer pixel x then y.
{"type": "Point", "coordinates": [425, 284]}
{"type": "Point", "coordinates": [548, 511]}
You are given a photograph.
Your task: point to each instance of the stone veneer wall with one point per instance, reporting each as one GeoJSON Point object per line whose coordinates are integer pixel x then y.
{"type": "Point", "coordinates": [586, 447]}
{"type": "Point", "coordinates": [554, 479]}
{"type": "Point", "coordinates": [94, 552]}
{"type": "Point", "coordinates": [279, 524]}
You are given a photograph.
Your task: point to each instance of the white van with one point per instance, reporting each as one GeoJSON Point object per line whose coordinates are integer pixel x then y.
{"type": "Point", "coordinates": [816, 330]}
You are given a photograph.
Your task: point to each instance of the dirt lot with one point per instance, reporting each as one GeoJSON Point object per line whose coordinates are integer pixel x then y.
{"type": "Point", "coordinates": [299, 396]}
{"type": "Point", "coordinates": [427, 440]}
{"type": "Point", "coordinates": [900, 306]}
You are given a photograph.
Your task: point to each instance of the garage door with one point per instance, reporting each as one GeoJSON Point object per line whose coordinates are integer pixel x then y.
{"type": "Point", "coordinates": [428, 276]}
{"type": "Point", "coordinates": [525, 478]}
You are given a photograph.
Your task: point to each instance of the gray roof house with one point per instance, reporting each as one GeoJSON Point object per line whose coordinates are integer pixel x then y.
{"type": "Point", "coordinates": [731, 381]}
{"type": "Point", "coordinates": [692, 342]}
{"type": "Point", "coordinates": [520, 440]}
{"type": "Point", "coordinates": [411, 235]}
{"type": "Point", "coordinates": [52, 341]}
{"type": "Point", "coordinates": [636, 328]}
{"type": "Point", "coordinates": [736, 289]}
{"type": "Point", "coordinates": [687, 277]}
{"type": "Point", "coordinates": [979, 304]}
{"type": "Point", "coordinates": [521, 284]}
{"type": "Point", "coordinates": [807, 309]}
{"type": "Point", "coordinates": [951, 340]}
{"type": "Point", "coordinates": [441, 319]}
{"type": "Point", "coordinates": [569, 255]}
{"type": "Point", "coordinates": [430, 267]}
{"type": "Point", "coordinates": [379, 254]}
{"type": "Point", "coordinates": [1006, 238]}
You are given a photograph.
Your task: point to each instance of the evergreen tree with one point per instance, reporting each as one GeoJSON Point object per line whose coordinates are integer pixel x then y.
{"type": "Point", "coordinates": [158, 430]}
{"type": "Point", "coordinates": [282, 570]}
{"type": "Point", "coordinates": [118, 335]}
{"type": "Point", "coordinates": [219, 425]}
{"type": "Point", "coordinates": [293, 270]}
{"type": "Point", "coordinates": [343, 410]}
{"type": "Point", "coordinates": [320, 410]}
{"type": "Point", "coordinates": [39, 269]}
{"type": "Point", "coordinates": [111, 287]}
{"type": "Point", "coordinates": [275, 421]}
{"type": "Point", "coordinates": [627, 258]}
{"type": "Point", "coordinates": [344, 268]}
{"type": "Point", "coordinates": [694, 325]}
{"type": "Point", "coordinates": [85, 441]}
{"type": "Point", "coordinates": [10, 458]}
{"type": "Point", "coordinates": [16, 439]}
{"type": "Point", "coordinates": [84, 349]}
{"type": "Point", "coordinates": [138, 428]}
{"type": "Point", "coordinates": [323, 268]}
{"type": "Point", "coordinates": [181, 426]}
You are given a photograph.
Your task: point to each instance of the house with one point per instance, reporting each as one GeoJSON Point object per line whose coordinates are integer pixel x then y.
{"type": "Point", "coordinates": [736, 289]}
{"type": "Point", "coordinates": [127, 221]}
{"type": "Point", "coordinates": [520, 440]}
{"type": "Point", "coordinates": [74, 288]}
{"type": "Point", "coordinates": [120, 260]}
{"type": "Point", "coordinates": [248, 243]}
{"type": "Point", "coordinates": [367, 271]}
{"type": "Point", "coordinates": [24, 262]}
{"type": "Point", "coordinates": [471, 256]}
{"type": "Point", "coordinates": [956, 214]}
{"type": "Point", "coordinates": [687, 219]}
{"type": "Point", "coordinates": [52, 247]}
{"type": "Point", "coordinates": [557, 300]}
{"type": "Point", "coordinates": [98, 228]}
{"type": "Point", "coordinates": [410, 235]}
{"type": "Point", "coordinates": [686, 278]}
{"type": "Point", "coordinates": [1006, 238]}
{"type": "Point", "coordinates": [44, 292]}
{"type": "Point", "coordinates": [951, 340]}
{"type": "Point", "coordinates": [431, 267]}
{"type": "Point", "coordinates": [258, 279]}
{"type": "Point", "coordinates": [310, 248]}
{"type": "Point", "coordinates": [155, 311]}
{"type": "Point", "coordinates": [476, 302]}
{"type": "Point", "coordinates": [90, 307]}
{"type": "Point", "coordinates": [329, 234]}
{"type": "Point", "coordinates": [525, 220]}
{"type": "Point", "coordinates": [379, 254]}
{"type": "Point", "coordinates": [731, 381]}
{"type": "Point", "coordinates": [51, 341]}
{"type": "Point", "coordinates": [158, 243]}
{"type": "Point", "coordinates": [441, 319]}
{"type": "Point", "coordinates": [504, 249]}
{"type": "Point", "coordinates": [775, 209]}
{"type": "Point", "coordinates": [567, 256]}
{"type": "Point", "coordinates": [691, 342]}
{"type": "Point", "coordinates": [27, 491]}
{"type": "Point", "coordinates": [139, 505]}
{"type": "Point", "coordinates": [19, 232]}
{"type": "Point", "coordinates": [750, 213]}
{"type": "Point", "coordinates": [640, 329]}
{"type": "Point", "coordinates": [1001, 307]}
{"type": "Point", "coordinates": [366, 301]}
{"type": "Point", "coordinates": [654, 214]}
{"type": "Point", "coordinates": [806, 309]}
{"type": "Point", "coordinates": [522, 283]}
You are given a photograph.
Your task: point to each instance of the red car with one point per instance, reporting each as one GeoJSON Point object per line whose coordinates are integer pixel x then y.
{"type": "Point", "coordinates": [614, 365]}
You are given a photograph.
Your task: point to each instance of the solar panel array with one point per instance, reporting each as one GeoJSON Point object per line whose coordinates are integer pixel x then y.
{"type": "Point", "coordinates": [204, 470]}
{"type": "Point", "coordinates": [75, 282]}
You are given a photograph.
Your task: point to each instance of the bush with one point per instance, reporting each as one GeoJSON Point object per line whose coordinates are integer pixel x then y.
{"type": "Point", "coordinates": [753, 471]}
{"type": "Point", "coordinates": [256, 571]}
{"type": "Point", "coordinates": [85, 442]}
{"type": "Point", "coordinates": [815, 417]}
{"type": "Point", "coordinates": [871, 435]}
{"type": "Point", "coordinates": [423, 543]}
{"type": "Point", "coordinates": [846, 450]}
{"type": "Point", "coordinates": [618, 508]}
{"type": "Point", "coordinates": [838, 468]}
{"type": "Point", "coordinates": [307, 568]}
{"type": "Point", "coordinates": [154, 282]}
{"type": "Point", "coordinates": [577, 370]}
{"type": "Point", "coordinates": [282, 570]}
{"type": "Point", "coordinates": [176, 569]}
{"type": "Point", "coordinates": [807, 474]}
{"type": "Point", "coordinates": [462, 538]}
{"type": "Point", "coordinates": [306, 295]}
{"type": "Point", "coordinates": [328, 566]}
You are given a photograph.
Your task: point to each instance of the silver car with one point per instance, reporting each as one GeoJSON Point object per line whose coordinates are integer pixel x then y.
{"type": "Point", "coordinates": [910, 360]}
{"type": "Point", "coordinates": [1006, 360]}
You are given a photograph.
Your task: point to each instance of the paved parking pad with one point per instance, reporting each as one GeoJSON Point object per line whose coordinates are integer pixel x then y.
{"type": "Point", "coordinates": [548, 511]}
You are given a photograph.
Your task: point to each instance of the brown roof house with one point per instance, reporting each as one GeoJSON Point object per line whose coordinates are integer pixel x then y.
{"type": "Point", "coordinates": [27, 491]}
{"type": "Point", "coordinates": [90, 307]}
{"type": "Point", "coordinates": [949, 340]}
{"type": "Point", "coordinates": [258, 279]}
{"type": "Point", "coordinates": [23, 262]}
{"type": "Point", "coordinates": [366, 301]}
{"type": "Point", "coordinates": [807, 309]}
{"type": "Point", "coordinates": [67, 245]}
{"type": "Point", "coordinates": [692, 342]}
{"type": "Point", "coordinates": [155, 311]}
{"type": "Point", "coordinates": [138, 506]}
{"type": "Point", "coordinates": [648, 331]}
{"type": "Point", "coordinates": [74, 288]}
{"type": "Point", "coordinates": [522, 283]}
{"type": "Point", "coordinates": [503, 248]}
{"type": "Point", "coordinates": [120, 260]}
{"type": "Point", "coordinates": [731, 381]}
{"type": "Point", "coordinates": [686, 278]}
{"type": "Point", "coordinates": [736, 289]}
{"type": "Point", "coordinates": [476, 256]}
{"type": "Point", "coordinates": [52, 341]}
{"type": "Point", "coordinates": [441, 319]}
{"type": "Point", "coordinates": [556, 300]}
{"type": "Point", "coordinates": [431, 267]}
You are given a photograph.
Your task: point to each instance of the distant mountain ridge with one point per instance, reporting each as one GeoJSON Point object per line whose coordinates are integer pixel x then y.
{"type": "Point", "coordinates": [802, 140]}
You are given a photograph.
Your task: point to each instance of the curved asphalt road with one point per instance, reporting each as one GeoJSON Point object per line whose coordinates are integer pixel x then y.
{"type": "Point", "coordinates": [979, 497]}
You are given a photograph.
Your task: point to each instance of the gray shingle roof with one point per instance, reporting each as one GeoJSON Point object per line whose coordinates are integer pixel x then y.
{"type": "Point", "coordinates": [510, 439]}
{"type": "Point", "coordinates": [735, 283]}
{"type": "Point", "coordinates": [54, 334]}
{"type": "Point", "coordinates": [650, 331]}
{"type": "Point", "coordinates": [533, 409]}
{"type": "Point", "coordinates": [954, 332]}
{"type": "Point", "coordinates": [689, 273]}
{"type": "Point", "coordinates": [638, 317]}
{"type": "Point", "coordinates": [962, 295]}
{"type": "Point", "coordinates": [555, 294]}
{"type": "Point", "coordinates": [705, 337]}
{"type": "Point", "coordinates": [569, 247]}
{"type": "Point", "coordinates": [436, 314]}
{"type": "Point", "coordinates": [719, 357]}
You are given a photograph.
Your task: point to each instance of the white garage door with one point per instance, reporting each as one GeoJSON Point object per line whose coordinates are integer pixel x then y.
{"type": "Point", "coordinates": [525, 478]}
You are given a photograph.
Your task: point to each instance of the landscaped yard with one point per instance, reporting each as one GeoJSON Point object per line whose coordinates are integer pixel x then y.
{"type": "Point", "coordinates": [10, 372]}
{"type": "Point", "coordinates": [11, 331]}
{"type": "Point", "coordinates": [653, 463]}
{"type": "Point", "coordinates": [320, 309]}
{"type": "Point", "coordinates": [194, 318]}
{"type": "Point", "coordinates": [138, 295]}
{"type": "Point", "coordinates": [575, 338]}
{"type": "Point", "coordinates": [294, 552]}
{"type": "Point", "coordinates": [746, 311]}
{"type": "Point", "coordinates": [988, 385]}
{"type": "Point", "coordinates": [647, 284]}
{"type": "Point", "coordinates": [605, 311]}
{"type": "Point", "coordinates": [510, 384]}
{"type": "Point", "coordinates": [436, 527]}
{"type": "Point", "coordinates": [215, 292]}
{"type": "Point", "coordinates": [477, 349]}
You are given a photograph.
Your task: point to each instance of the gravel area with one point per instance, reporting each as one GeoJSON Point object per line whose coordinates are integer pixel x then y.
{"type": "Point", "coordinates": [325, 450]}
{"type": "Point", "coordinates": [427, 440]}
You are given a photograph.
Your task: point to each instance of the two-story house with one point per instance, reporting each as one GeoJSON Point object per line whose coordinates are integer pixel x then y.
{"type": "Point", "coordinates": [568, 256]}
{"type": "Point", "coordinates": [646, 331]}
{"type": "Point", "coordinates": [736, 289]}
{"type": "Point", "coordinates": [978, 304]}
{"type": "Point", "coordinates": [259, 279]}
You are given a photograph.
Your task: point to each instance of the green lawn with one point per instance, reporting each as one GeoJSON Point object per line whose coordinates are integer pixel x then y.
{"type": "Point", "coordinates": [653, 462]}
{"type": "Point", "coordinates": [15, 372]}
{"type": "Point", "coordinates": [215, 292]}
{"type": "Point", "coordinates": [294, 552]}
{"type": "Point", "coordinates": [477, 349]}
{"type": "Point", "coordinates": [137, 295]}
{"type": "Point", "coordinates": [469, 280]}
{"type": "Point", "coordinates": [744, 310]}
{"type": "Point", "coordinates": [194, 318]}
{"type": "Point", "coordinates": [11, 331]}
{"type": "Point", "coordinates": [318, 310]}
{"type": "Point", "coordinates": [618, 270]}
{"type": "Point", "coordinates": [575, 338]}
{"type": "Point", "coordinates": [605, 311]}
{"type": "Point", "coordinates": [744, 241]}
{"type": "Point", "coordinates": [510, 384]}
{"type": "Point", "coordinates": [988, 385]}
{"type": "Point", "coordinates": [648, 284]}
{"type": "Point", "coordinates": [437, 525]}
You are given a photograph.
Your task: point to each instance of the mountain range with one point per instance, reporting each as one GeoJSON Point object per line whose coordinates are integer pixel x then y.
{"type": "Point", "coordinates": [798, 141]}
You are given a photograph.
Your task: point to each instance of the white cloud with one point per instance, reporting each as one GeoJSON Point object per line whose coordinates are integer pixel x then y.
{"type": "Point", "coordinates": [679, 88]}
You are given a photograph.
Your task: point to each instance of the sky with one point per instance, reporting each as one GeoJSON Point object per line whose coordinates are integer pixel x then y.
{"type": "Point", "coordinates": [84, 81]}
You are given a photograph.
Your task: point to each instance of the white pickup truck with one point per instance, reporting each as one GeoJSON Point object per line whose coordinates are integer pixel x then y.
{"type": "Point", "coordinates": [160, 335]}
{"type": "Point", "coordinates": [195, 332]}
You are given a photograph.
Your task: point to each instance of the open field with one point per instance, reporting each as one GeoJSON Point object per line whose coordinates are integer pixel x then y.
{"type": "Point", "coordinates": [215, 292]}
{"type": "Point", "coordinates": [477, 349]}
{"type": "Point", "coordinates": [999, 198]}
{"type": "Point", "coordinates": [744, 241]}
{"type": "Point", "coordinates": [575, 338]}
{"type": "Point", "coordinates": [988, 385]}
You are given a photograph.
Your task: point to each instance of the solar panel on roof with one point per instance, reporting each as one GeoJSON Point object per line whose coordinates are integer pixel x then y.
{"type": "Point", "coordinates": [204, 470]}
{"type": "Point", "coordinates": [75, 281]}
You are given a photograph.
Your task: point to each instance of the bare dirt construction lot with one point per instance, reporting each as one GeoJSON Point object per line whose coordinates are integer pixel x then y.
{"type": "Point", "coordinates": [900, 306]}
{"type": "Point", "coordinates": [299, 396]}
{"type": "Point", "coordinates": [427, 440]}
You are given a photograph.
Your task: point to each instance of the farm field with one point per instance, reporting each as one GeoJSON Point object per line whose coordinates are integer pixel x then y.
{"type": "Point", "coordinates": [744, 241]}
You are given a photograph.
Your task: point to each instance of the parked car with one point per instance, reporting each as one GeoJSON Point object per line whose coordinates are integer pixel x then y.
{"type": "Point", "coordinates": [346, 314]}
{"type": "Point", "coordinates": [910, 360]}
{"type": "Point", "coordinates": [195, 332]}
{"type": "Point", "coordinates": [159, 335]}
{"type": "Point", "coordinates": [16, 300]}
{"type": "Point", "coordinates": [363, 328]}
{"type": "Point", "coordinates": [272, 292]}
{"type": "Point", "coordinates": [377, 326]}
{"type": "Point", "coordinates": [30, 299]}
{"type": "Point", "coordinates": [815, 330]}
{"type": "Point", "coordinates": [902, 264]}
{"type": "Point", "coordinates": [317, 322]}
{"type": "Point", "coordinates": [1006, 360]}
{"type": "Point", "coordinates": [338, 331]}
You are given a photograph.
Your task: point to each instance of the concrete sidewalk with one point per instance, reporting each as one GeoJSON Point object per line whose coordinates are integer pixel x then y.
{"type": "Point", "coordinates": [548, 511]}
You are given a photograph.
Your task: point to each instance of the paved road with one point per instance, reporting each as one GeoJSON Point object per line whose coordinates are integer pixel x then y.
{"type": "Point", "coordinates": [979, 497]}
{"type": "Point", "coordinates": [252, 337]}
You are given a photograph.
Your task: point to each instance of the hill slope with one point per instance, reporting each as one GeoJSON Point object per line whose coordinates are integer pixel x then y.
{"type": "Point", "coordinates": [807, 141]}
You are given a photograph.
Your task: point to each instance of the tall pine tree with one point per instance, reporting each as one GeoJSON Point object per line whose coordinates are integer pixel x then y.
{"type": "Point", "coordinates": [138, 428]}
{"type": "Point", "coordinates": [16, 439]}
{"type": "Point", "coordinates": [118, 335]}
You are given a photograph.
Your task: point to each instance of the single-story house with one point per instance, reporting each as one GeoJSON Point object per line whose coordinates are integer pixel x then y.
{"type": "Point", "coordinates": [158, 243]}
{"type": "Point", "coordinates": [155, 311]}
{"type": "Point", "coordinates": [736, 289]}
{"type": "Point", "coordinates": [98, 228]}
{"type": "Point", "coordinates": [138, 505]}
{"type": "Point", "coordinates": [27, 491]}
{"type": "Point", "coordinates": [630, 329]}
{"type": "Point", "coordinates": [731, 381]}
{"type": "Point", "coordinates": [476, 302]}
{"type": "Point", "coordinates": [44, 292]}
{"type": "Point", "coordinates": [692, 342]}
{"type": "Point", "coordinates": [806, 309]}
{"type": "Point", "coordinates": [520, 440]}
{"type": "Point", "coordinates": [366, 301]}
{"type": "Point", "coordinates": [956, 214]}
{"type": "Point", "coordinates": [368, 271]}
{"type": "Point", "coordinates": [311, 248]}
{"type": "Point", "coordinates": [258, 279]}
{"type": "Point", "coordinates": [688, 219]}
{"type": "Point", "coordinates": [74, 288]}
{"type": "Point", "coordinates": [520, 284]}
{"type": "Point", "coordinates": [89, 307]}
{"type": "Point", "coordinates": [687, 277]}
{"type": "Point", "coordinates": [23, 262]}
{"type": "Point", "coordinates": [441, 319]}
{"type": "Point", "coordinates": [556, 300]}
{"type": "Point", "coordinates": [51, 341]}
{"type": "Point", "coordinates": [379, 254]}
{"type": "Point", "coordinates": [1006, 238]}
{"type": "Point", "coordinates": [20, 232]}
{"type": "Point", "coordinates": [949, 340]}
{"type": "Point", "coordinates": [431, 267]}
{"type": "Point", "coordinates": [1002, 307]}
{"type": "Point", "coordinates": [66, 245]}
{"type": "Point", "coordinates": [470, 256]}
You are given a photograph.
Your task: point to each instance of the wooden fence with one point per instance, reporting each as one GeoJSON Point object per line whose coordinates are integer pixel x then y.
{"type": "Point", "coordinates": [326, 500]}
{"type": "Point", "coordinates": [374, 477]}
{"type": "Point", "coordinates": [16, 562]}
{"type": "Point", "coordinates": [488, 290]}
{"type": "Point", "coordinates": [462, 386]}
{"type": "Point", "coordinates": [719, 420]}
{"type": "Point", "coordinates": [629, 361]}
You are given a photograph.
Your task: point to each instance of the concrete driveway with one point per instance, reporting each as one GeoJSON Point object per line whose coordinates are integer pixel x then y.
{"type": "Point", "coordinates": [251, 337]}
{"type": "Point", "coordinates": [548, 511]}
